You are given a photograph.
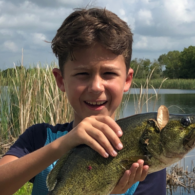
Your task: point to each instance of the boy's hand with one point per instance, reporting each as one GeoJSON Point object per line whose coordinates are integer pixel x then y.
{"type": "Point", "coordinates": [137, 172]}
{"type": "Point", "coordinates": [101, 133]}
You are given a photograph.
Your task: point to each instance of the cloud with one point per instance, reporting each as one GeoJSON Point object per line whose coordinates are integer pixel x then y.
{"type": "Point", "coordinates": [158, 26]}
{"type": "Point", "coordinates": [145, 17]}
{"type": "Point", "coordinates": [122, 12]}
{"type": "Point", "coordinates": [166, 18]}
{"type": "Point", "coordinates": [39, 39]}
{"type": "Point", "coordinates": [182, 10]}
{"type": "Point", "coordinates": [50, 3]}
{"type": "Point", "coordinates": [10, 46]}
{"type": "Point", "coordinates": [142, 43]}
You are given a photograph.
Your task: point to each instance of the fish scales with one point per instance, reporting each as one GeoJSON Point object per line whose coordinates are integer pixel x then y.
{"type": "Point", "coordinates": [84, 172]}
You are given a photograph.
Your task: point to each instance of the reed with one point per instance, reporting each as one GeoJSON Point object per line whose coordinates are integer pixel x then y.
{"type": "Point", "coordinates": [32, 97]}
{"type": "Point", "coordinates": [181, 179]}
{"type": "Point", "coordinates": [143, 99]}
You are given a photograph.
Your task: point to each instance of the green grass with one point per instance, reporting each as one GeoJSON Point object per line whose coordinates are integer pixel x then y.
{"type": "Point", "coordinates": [25, 189]}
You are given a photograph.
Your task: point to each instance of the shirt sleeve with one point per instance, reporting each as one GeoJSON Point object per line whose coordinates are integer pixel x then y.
{"type": "Point", "coordinates": [32, 139]}
{"type": "Point", "coordinates": [155, 183]}
{"type": "Point", "coordinates": [131, 190]}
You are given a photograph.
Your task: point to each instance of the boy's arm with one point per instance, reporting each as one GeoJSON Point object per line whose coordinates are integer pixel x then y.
{"type": "Point", "coordinates": [15, 172]}
{"type": "Point", "coordinates": [7, 159]}
{"type": "Point", "coordinates": [99, 132]}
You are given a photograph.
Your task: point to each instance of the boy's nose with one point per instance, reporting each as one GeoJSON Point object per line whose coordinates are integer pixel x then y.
{"type": "Point", "coordinates": [96, 85]}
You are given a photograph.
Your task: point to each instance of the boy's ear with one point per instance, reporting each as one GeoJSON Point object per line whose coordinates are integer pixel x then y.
{"type": "Point", "coordinates": [129, 79]}
{"type": "Point", "coordinates": [59, 79]}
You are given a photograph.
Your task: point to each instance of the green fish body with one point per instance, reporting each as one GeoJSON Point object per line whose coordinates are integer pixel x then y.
{"type": "Point", "coordinates": [84, 172]}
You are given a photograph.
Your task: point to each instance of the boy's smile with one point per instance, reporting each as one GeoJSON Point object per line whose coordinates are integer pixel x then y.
{"type": "Point", "coordinates": [95, 105]}
{"type": "Point", "coordinates": [94, 82]}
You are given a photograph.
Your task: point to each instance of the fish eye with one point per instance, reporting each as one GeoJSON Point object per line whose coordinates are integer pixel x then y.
{"type": "Point", "coordinates": [185, 121]}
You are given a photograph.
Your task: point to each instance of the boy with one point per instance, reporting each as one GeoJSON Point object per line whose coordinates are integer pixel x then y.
{"type": "Point", "coordinates": [94, 49]}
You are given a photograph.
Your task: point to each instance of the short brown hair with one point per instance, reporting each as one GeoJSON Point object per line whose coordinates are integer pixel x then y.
{"type": "Point", "coordinates": [84, 27]}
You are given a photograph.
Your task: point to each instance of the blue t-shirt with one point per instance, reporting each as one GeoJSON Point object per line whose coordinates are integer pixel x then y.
{"type": "Point", "coordinates": [40, 135]}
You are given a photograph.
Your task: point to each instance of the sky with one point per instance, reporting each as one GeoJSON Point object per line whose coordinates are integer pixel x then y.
{"type": "Point", "coordinates": [159, 26]}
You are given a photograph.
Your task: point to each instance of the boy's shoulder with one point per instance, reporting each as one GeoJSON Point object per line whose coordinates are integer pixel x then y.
{"type": "Point", "coordinates": [37, 136]}
{"type": "Point", "coordinates": [42, 128]}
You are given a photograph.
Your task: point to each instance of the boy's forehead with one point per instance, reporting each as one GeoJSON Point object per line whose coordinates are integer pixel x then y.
{"type": "Point", "coordinates": [80, 66]}
{"type": "Point", "coordinates": [94, 55]}
{"type": "Point", "coordinates": [98, 53]}
{"type": "Point", "coordinates": [89, 62]}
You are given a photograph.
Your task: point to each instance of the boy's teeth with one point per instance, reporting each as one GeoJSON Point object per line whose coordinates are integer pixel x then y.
{"type": "Point", "coordinates": [96, 103]}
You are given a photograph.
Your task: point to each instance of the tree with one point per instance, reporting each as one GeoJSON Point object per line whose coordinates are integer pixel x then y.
{"type": "Point", "coordinates": [141, 67]}
{"type": "Point", "coordinates": [11, 72]}
{"type": "Point", "coordinates": [172, 63]}
{"type": "Point", "coordinates": [187, 59]}
{"type": "Point", "coordinates": [157, 69]}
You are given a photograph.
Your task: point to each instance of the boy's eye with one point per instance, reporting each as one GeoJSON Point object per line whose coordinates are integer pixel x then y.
{"type": "Point", "coordinates": [81, 73]}
{"type": "Point", "coordinates": [110, 73]}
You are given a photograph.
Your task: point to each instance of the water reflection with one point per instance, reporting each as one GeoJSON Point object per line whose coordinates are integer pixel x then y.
{"type": "Point", "coordinates": [177, 103]}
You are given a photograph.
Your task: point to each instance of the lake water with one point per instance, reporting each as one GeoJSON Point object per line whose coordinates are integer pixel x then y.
{"type": "Point", "coordinates": [177, 101]}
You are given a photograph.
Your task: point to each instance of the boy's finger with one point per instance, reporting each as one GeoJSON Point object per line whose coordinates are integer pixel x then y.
{"type": "Point", "coordinates": [102, 140]}
{"type": "Point", "coordinates": [96, 146]}
{"type": "Point", "coordinates": [144, 172]}
{"type": "Point", "coordinates": [133, 170]}
{"type": "Point", "coordinates": [111, 123]}
{"type": "Point", "coordinates": [110, 128]}
{"type": "Point", "coordinates": [109, 133]}
{"type": "Point", "coordinates": [139, 170]}
{"type": "Point", "coordinates": [124, 180]}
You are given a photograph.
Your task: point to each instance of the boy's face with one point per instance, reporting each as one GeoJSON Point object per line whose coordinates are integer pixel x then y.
{"type": "Point", "coordinates": [94, 82]}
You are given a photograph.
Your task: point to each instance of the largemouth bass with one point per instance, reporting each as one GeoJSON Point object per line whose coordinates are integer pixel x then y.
{"type": "Point", "coordinates": [158, 138]}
